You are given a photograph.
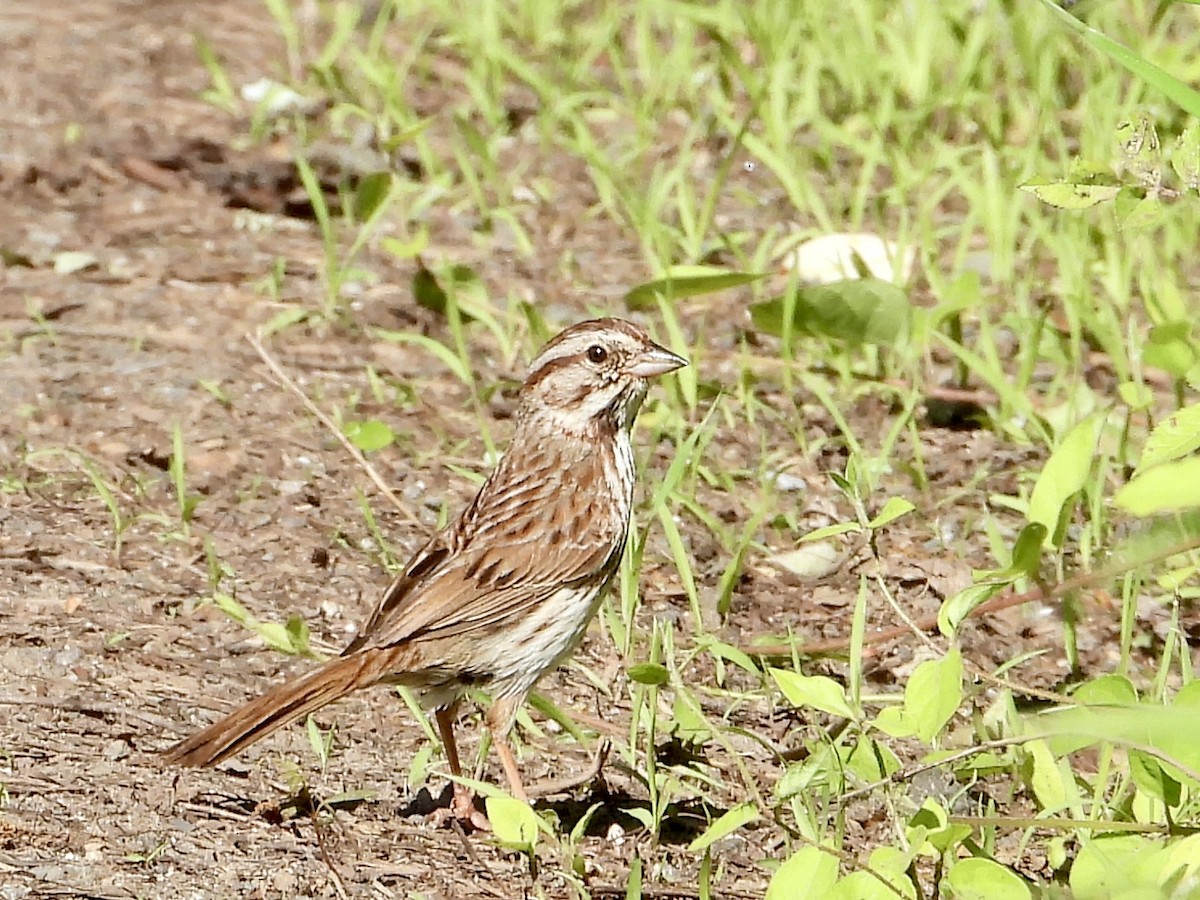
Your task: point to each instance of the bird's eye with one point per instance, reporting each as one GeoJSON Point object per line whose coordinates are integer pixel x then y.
{"type": "Point", "coordinates": [596, 354]}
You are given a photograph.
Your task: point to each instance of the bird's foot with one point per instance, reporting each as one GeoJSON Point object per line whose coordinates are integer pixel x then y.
{"type": "Point", "coordinates": [462, 809]}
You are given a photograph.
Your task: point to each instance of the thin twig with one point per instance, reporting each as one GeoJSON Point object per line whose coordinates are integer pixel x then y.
{"type": "Point", "coordinates": [334, 874]}
{"type": "Point", "coordinates": [355, 453]}
{"type": "Point", "coordinates": [562, 785]}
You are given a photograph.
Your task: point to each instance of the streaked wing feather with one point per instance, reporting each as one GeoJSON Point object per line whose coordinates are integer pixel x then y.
{"type": "Point", "coordinates": [453, 601]}
{"type": "Point", "coordinates": [497, 560]}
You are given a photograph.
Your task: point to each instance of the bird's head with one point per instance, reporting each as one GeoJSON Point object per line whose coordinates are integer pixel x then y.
{"type": "Point", "coordinates": [594, 375]}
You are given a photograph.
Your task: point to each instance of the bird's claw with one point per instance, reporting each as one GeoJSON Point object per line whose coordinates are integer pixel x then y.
{"type": "Point", "coordinates": [462, 809]}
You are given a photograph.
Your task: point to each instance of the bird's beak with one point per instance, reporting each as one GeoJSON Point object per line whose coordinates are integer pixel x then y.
{"type": "Point", "coordinates": [655, 361]}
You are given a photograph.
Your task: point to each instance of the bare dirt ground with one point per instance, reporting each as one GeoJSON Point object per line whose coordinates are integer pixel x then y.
{"type": "Point", "coordinates": [106, 150]}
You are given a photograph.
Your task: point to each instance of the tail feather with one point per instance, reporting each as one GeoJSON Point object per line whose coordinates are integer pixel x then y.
{"type": "Point", "coordinates": [279, 706]}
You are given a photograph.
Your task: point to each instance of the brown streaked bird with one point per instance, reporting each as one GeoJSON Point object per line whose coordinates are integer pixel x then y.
{"type": "Point", "coordinates": [505, 592]}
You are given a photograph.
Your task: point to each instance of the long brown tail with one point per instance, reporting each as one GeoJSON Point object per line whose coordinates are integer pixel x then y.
{"type": "Point", "coordinates": [279, 706]}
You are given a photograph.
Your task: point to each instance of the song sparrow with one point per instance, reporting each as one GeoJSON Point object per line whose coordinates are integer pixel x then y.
{"type": "Point", "coordinates": [505, 592]}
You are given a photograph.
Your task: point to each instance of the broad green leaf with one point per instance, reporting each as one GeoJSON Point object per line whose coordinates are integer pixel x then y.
{"type": "Point", "coordinates": [368, 435]}
{"type": "Point", "coordinates": [1170, 486]}
{"type": "Point", "coordinates": [1027, 550]}
{"type": "Point", "coordinates": [808, 875]}
{"type": "Point", "coordinates": [978, 878]}
{"type": "Point", "coordinates": [859, 311]}
{"type": "Point", "coordinates": [1064, 475]}
{"type": "Point", "coordinates": [869, 760]}
{"type": "Point", "coordinates": [817, 691]}
{"type": "Point", "coordinates": [725, 825]}
{"type": "Point", "coordinates": [1181, 859]}
{"type": "Point", "coordinates": [1046, 777]}
{"type": "Point", "coordinates": [410, 249]}
{"type": "Point", "coordinates": [1158, 539]}
{"type": "Point", "coordinates": [1149, 775]}
{"type": "Point", "coordinates": [513, 821]}
{"type": "Point", "coordinates": [1169, 346]}
{"type": "Point", "coordinates": [649, 673]}
{"type": "Point", "coordinates": [892, 510]}
{"type": "Point", "coordinates": [688, 281]}
{"type": "Point", "coordinates": [427, 291]}
{"type": "Point", "coordinates": [895, 722]}
{"type": "Point", "coordinates": [933, 693]}
{"type": "Point", "coordinates": [1106, 689]}
{"type": "Point", "coordinates": [930, 829]}
{"type": "Point", "coordinates": [1117, 866]}
{"type": "Point", "coordinates": [1144, 215]}
{"type": "Point", "coordinates": [1071, 194]}
{"type": "Point", "coordinates": [887, 879]}
{"type": "Point", "coordinates": [1136, 725]}
{"type": "Point", "coordinates": [955, 609]}
{"type": "Point", "coordinates": [1176, 436]}
{"type": "Point", "coordinates": [372, 191]}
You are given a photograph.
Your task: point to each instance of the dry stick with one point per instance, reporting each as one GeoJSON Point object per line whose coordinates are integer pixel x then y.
{"type": "Point", "coordinates": [354, 452]}
{"type": "Point", "coordinates": [567, 783]}
{"type": "Point", "coordinates": [334, 874]}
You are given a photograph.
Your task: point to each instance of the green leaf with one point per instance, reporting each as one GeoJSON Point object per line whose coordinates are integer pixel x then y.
{"type": "Point", "coordinates": [1144, 215]}
{"type": "Point", "coordinates": [1152, 778]}
{"type": "Point", "coordinates": [1046, 778]}
{"type": "Point", "coordinates": [687, 281]}
{"type": "Point", "coordinates": [293, 315]}
{"type": "Point", "coordinates": [955, 609]}
{"type": "Point", "coordinates": [931, 825]}
{"type": "Point", "coordinates": [1169, 346]}
{"type": "Point", "coordinates": [369, 435]}
{"type": "Point", "coordinates": [859, 311]}
{"type": "Point", "coordinates": [1170, 486]}
{"type": "Point", "coordinates": [1158, 539]}
{"type": "Point", "coordinates": [817, 691]}
{"type": "Point", "coordinates": [1064, 475]}
{"type": "Point", "coordinates": [1176, 436]}
{"type": "Point", "coordinates": [808, 875]}
{"type": "Point", "coordinates": [884, 878]}
{"type": "Point", "coordinates": [1176, 90]}
{"type": "Point", "coordinates": [371, 193]}
{"type": "Point", "coordinates": [1133, 725]}
{"type": "Point", "coordinates": [633, 887]}
{"type": "Point", "coordinates": [1185, 157]}
{"type": "Point", "coordinates": [894, 722]}
{"type": "Point", "coordinates": [513, 821]}
{"type": "Point", "coordinates": [649, 673]}
{"type": "Point", "coordinates": [892, 510]}
{"type": "Point", "coordinates": [725, 825]}
{"type": "Point", "coordinates": [978, 878]}
{"type": "Point", "coordinates": [1071, 194]}
{"type": "Point", "coordinates": [1106, 689]}
{"type": "Point", "coordinates": [1027, 550]}
{"type": "Point", "coordinates": [298, 635]}
{"type": "Point", "coordinates": [410, 249]}
{"type": "Point", "coordinates": [933, 693]}
{"type": "Point", "coordinates": [1117, 866]}
{"type": "Point", "coordinates": [427, 291]}
{"type": "Point", "coordinates": [455, 364]}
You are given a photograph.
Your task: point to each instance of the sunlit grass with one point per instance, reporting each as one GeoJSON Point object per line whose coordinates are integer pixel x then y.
{"type": "Point", "coordinates": [722, 134]}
